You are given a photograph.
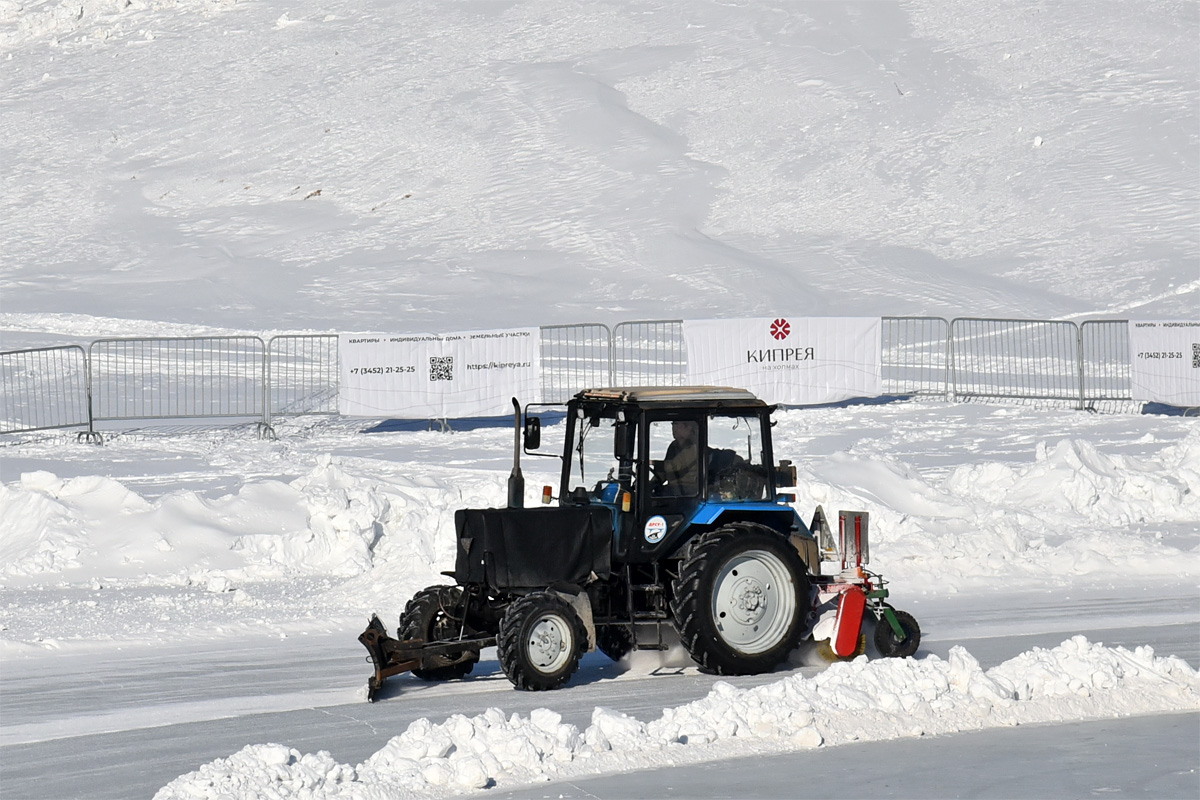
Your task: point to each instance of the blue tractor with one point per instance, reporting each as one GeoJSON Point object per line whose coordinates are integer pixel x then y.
{"type": "Point", "coordinates": [668, 516]}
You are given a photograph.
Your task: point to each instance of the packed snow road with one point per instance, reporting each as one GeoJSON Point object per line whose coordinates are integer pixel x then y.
{"type": "Point", "coordinates": [123, 724]}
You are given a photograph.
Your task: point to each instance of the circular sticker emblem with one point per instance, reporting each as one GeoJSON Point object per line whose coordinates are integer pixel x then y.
{"type": "Point", "coordinates": [656, 529]}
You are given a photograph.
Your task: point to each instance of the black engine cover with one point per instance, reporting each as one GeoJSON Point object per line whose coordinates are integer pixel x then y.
{"type": "Point", "coordinates": [532, 548]}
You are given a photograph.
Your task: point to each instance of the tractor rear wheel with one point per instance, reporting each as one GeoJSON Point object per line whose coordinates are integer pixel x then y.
{"type": "Point", "coordinates": [430, 616]}
{"type": "Point", "coordinates": [885, 638]}
{"type": "Point", "coordinates": [741, 599]}
{"type": "Point", "coordinates": [540, 641]}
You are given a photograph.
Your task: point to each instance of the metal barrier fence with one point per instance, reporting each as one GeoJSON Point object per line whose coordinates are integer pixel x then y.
{"type": "Point", "coordinates": [649, 353]}
{"type": "Point", "coordinates": [43, 388]}
{"type": "Point", "coordinates": [574, 356]}
{"type": "Point", "coordinates": [915, 358]}
{"type": "Point", "coordinates": [239, 376]}
{"type": "Point", "coordinates": [303, 373]}
{"type": "Point", "coordinates": [1104, 361]}
{"type": "Point", "coordinates": [1014, 359]}
{"type": "Point", "coordinates": [177, 378]}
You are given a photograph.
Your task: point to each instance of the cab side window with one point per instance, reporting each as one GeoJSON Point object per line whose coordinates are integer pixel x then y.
{"type": "Point", "coordinates": [735, 458]}
{"type": "Point", "coordinates": [675, 458]}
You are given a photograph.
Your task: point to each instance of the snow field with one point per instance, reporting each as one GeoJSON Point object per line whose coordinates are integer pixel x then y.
{"type": "Point", "coordinates": [421, 164]}
{"type": "Point", "coordinates": [851, 701]}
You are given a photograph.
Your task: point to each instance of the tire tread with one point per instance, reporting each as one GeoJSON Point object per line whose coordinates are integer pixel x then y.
{"type": "Point", "coordinates": [689, 602]}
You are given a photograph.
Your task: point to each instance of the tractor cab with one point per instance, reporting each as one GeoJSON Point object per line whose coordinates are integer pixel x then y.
{"type": "Point", "coordinates": [666, 460]}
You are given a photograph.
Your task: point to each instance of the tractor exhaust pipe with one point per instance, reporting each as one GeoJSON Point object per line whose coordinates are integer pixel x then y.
{"type": "Point", "coordinates": [516, 481]}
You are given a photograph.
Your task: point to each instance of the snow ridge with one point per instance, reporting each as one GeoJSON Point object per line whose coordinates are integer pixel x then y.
{"type": "Point", "coordinates": [854, 701]}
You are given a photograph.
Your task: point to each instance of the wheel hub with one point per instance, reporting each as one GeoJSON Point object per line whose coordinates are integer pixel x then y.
{"type": "Point", "coordinates": [749, 602]}
{"type": "Point", "coordinates": [752, 601]}
{"type": "Point", "coordinates": [546, 643]}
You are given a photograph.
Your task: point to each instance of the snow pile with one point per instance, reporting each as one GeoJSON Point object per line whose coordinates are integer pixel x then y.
{"type": "Point", "coordinates": [328, 522]}
{"type": "Point", "coordinates": [349, 543]}
{"type": "Point", "coordinates": [859, 700]}
{"type": "Point", "coordinates": [1068, 511]}
{"type": "Point", "coordinates": [1075, 477]}
{"type": "Point", "coordinates": [1075, 510]}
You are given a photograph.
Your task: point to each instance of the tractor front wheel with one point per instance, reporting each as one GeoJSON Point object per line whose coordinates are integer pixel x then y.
{"type": "Point", "coordinates": [540, 641]}
{"type": "Point", "coordinates": [430, 616]}
{"type": "Point", "coordinates": [741, 599]}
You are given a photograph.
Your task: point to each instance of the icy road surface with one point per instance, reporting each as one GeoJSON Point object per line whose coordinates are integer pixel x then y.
{"type": "Point", "coordinates": [116, 726]}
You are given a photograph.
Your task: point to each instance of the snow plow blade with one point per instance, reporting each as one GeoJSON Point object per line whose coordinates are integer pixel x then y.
{"type": "Point", "coordinates": [394, 656]}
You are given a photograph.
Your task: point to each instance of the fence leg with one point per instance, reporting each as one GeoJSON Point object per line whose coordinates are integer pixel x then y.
{"type": "Point", "coordinates": [1079, 349]}
{"type": "Point", "coordinates": [90, 435]}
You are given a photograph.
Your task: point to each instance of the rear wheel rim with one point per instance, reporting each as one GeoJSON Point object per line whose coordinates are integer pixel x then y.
{"type": "Point", "coordinates": [753, 601]}
{"type": "Point", "coordinates": [549, 642]}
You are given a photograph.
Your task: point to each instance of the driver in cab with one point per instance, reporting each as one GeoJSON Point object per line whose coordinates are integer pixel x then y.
{"type": "Point", "coordinates": [678, 473]}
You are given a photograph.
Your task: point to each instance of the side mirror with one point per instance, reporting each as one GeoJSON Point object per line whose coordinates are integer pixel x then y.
{"type": "Point", "coordinates": [533, 433]}
{"type": "Point", "coordinates": [624, 441]}
{"type": "Point", "coordinates": [785, 474]}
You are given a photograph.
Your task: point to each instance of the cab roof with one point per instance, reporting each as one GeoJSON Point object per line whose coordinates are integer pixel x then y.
{"type": "Point", "coordinates": [672, 395]}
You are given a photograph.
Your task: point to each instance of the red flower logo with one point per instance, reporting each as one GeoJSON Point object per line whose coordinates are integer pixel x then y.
{"type": "Point", "coordinates": [780, 329]}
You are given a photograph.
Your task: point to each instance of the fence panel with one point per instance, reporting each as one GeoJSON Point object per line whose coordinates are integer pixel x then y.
{"type": "Point", "coordinates": [43, 388]}
{"type": "Point", "coordinates": [574, 357]}
{"type": "Point", "coordinates": [1015, 359]}
{"type": "Point", "coordinates": [303, 375]}
{"type": "Point", "coordinates": [916, 355]}
{"type": "Point", "coordinates": [239, 376]}
{"type": "Point", "coordinates": [1105, 360]}
{"type": "Point", "coordinates": [217, 376]}
{"type": "Point", "coordinates": [649, 353]}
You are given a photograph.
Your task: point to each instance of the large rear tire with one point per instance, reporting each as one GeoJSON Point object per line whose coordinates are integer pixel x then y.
{"type": "Point", "coordinates": [541, 639]}
{"type": "Point", "coordinates": [741, 599]}
{"type": "Point", "coordinates": [430, 616]}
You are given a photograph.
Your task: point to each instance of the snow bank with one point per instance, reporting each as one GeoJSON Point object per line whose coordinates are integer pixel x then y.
{"type": "Point", "coordinates": [1074, 510]}
{"type": "Point", "coordinates": [366, 533]}
{"type": "Point", "coordinates": [859, 700]}
{"type": "Point", "coordinates": [327, 522]}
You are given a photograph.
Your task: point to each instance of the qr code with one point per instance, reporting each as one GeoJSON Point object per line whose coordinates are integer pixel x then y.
{"type": "Point", "coordinates": [441, 369]}
{"type": "Point", "coordinates": [1195, 355]}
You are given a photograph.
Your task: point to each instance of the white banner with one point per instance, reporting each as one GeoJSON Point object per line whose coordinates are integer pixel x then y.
{"type": "Point", "coordinates": [1164, 360]}
{"type": "Point", "coordinates": [434, 376]}
{"type": "Point", "coordinates": [790, 360]}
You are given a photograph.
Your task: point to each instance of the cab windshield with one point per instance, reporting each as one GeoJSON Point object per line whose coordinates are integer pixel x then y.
{"type": "Point", "coordinates": [593, 465]}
